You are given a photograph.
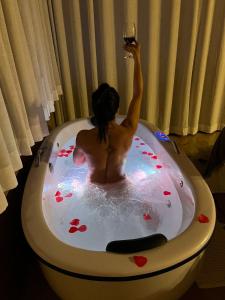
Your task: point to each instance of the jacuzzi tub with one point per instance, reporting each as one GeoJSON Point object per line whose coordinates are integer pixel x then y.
{"type": "Point", "coordinates": [70, 246]}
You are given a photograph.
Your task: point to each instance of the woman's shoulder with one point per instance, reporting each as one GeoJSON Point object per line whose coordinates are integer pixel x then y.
{"type": "Point", "coordinates": [85, 136]}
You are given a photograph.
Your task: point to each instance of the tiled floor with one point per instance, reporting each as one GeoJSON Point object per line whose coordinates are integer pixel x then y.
{"type": "Point", "coordinates": [20, 276]}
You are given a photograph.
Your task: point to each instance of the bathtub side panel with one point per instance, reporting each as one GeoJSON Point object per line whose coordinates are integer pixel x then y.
{"type": "Point", "coordinates": [170, 286]}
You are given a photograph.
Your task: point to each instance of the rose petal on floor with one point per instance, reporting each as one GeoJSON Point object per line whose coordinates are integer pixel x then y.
{"type": "Point", "coordinates": [57, 193]}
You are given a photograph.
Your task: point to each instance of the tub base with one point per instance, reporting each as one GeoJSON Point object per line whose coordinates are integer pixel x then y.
{"type": "Point", "coordinates": [167, 286]}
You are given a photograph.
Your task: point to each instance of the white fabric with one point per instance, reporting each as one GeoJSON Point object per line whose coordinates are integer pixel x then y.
{"type": "Point", "coordinates": [29, 83]}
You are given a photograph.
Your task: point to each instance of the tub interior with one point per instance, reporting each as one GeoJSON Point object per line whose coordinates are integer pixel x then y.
{"type": "Point", "coordinates": [154, 198]}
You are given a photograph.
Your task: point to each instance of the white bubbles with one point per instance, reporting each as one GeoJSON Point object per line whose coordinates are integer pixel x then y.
{"type": "Point", "coordinates": [132, 208]}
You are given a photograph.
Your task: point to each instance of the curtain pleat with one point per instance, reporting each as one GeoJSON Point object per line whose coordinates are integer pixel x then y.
{"type": "Point", "coordinates": [13, 96]}
{"type": "Point", "coordinates": [104, 13]}
{"type": "Point", "coordinates": [77, 63]}
{"type": "Point", "coordinates": [59, 111]}
{"type": "Point", "coordinates": [169, 42]}
{"type": "Point", "coordinates": [92, 45]}
{"type": "Point", "coordinates": [9, 155]}
{"type": "Point", "coordinates": [212, 113]}
{"type": "Point", "coordinates": [69, 105]}
{"type": "Point", "coordinates": [29, 83]}
{"type": "Point", "coordinates": [188, 30]}
{"type": "Point", "coordinates": [182, 54]}
{"type": "Point", "coordinates": [219, 83]}
{"type": "Point", "coordinates": [199, 72]}
{"type": "Point", "coordinates": [152, 76]}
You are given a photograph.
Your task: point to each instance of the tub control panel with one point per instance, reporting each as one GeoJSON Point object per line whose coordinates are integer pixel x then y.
{"type": "Point", "coordinates": [161, 136]}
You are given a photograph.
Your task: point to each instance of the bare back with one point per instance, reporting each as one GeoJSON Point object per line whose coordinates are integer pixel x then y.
{"type": "Point", "coordinates": [105, 160]}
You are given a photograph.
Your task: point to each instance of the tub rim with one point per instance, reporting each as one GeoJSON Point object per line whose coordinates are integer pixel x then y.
{"type": "Point", "coordinates": [129, 270]}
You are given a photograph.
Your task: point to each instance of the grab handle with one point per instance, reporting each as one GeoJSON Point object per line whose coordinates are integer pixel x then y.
{"type": "Point", "coordinates": [136, 245]}
{"type": "Point", "coordinates": [43, 152]}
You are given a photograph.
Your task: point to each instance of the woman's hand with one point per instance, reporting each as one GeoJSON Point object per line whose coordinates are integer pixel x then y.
{"type": "Point", "coordinates": [133, 48]}
{"type": "Point", "coordinates": [78, 157]}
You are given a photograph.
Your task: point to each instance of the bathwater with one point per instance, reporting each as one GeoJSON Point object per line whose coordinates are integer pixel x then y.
{"type": "Point", "coordinates": [89, 216]}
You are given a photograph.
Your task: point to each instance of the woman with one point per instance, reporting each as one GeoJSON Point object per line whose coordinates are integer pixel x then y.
{"type": "Point", "coordinates": [105, 146]}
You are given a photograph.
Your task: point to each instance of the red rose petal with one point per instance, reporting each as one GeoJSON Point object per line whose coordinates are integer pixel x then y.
{"type": "Point", "coordinates": [166, 193]}
{"type": "Point", "coordinates": [82, 228]}
{"type": "Point", "coordinates": [137, 139]}
{"type": "Point", "coordinates": [59, 199]}
{"type": "Point", "coordinates": [203, 219]}
{"type": "Point", "coordinates": [158, 166]}
{"type": "Point", "coordinates": [75, 222]}
{"type": "Point", "coordinates": [140, 261]}
{"type": "Point", "coordinates": [142, 144]}
{"type": "Point", "coordinates": [72, 147]}
{"type": "Point", "coordinates": [60, 155]}
{"type": "Point", "coordinates": [146, 217]}
{"type": "Point", "coordinates": [69, 195]}
{"type": "Point", "coordinates": [154, 156]}
{"type": "Point", "coordinates": [57, 193]}
{"type": "Point", "coordinates": [149, 153]}
{"type": "Point", "coordinates": [73, 229]}
{"type": "Point", "coordinates": [144, 152]}
{"type": "Point", "coordinates": [65, 155]}
{"type": "Point", "coordinates": [63, 150]}
{"type": "Point", "coordinates": [69, 151]}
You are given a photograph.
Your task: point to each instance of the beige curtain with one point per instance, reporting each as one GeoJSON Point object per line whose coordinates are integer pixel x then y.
{"type": "Point", "coordinates": [183, 58]}
{"type": "Point", "coordinates": [29, 83]}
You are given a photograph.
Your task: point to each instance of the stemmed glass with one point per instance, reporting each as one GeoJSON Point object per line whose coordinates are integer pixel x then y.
{"type": "Point", "coordinates": [129, 33]}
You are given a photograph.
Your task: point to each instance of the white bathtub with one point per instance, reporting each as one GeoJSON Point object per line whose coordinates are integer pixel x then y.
{"type": "Point", "coordinates": [76, 273]}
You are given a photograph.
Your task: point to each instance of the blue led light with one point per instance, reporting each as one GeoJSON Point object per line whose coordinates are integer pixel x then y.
{"type": "Point", "coordinates": [161, 136]}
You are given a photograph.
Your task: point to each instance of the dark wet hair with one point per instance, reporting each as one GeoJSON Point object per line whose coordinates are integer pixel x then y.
{"type": "Point", "coordinates": [105, 103]}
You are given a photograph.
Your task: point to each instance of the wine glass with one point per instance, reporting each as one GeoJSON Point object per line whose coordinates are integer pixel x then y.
{"type": "Point", "coordinates": [129, 33]}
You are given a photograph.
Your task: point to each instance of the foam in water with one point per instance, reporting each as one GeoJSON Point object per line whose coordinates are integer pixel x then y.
{"type": "Point", "coordinates": [89, 216]}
